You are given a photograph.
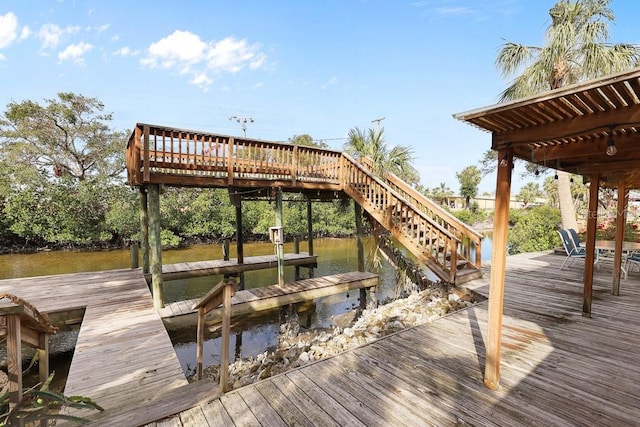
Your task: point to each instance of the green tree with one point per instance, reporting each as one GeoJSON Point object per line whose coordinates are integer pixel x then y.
{"type": "Point", "coordinates": [397, 160]}
{"type": "Point", "coordinates": [469, 178]}
{"type": "Point", "coordinates": [533, 230]}
{"type": "Point", "coordinates": [307, 141]}
{"type": "Point", "coordinates": [577, 49]}
{"type": "Point", "coordinates": [67, 136]}
{"type": "Point", "coordinates": [529, 193]}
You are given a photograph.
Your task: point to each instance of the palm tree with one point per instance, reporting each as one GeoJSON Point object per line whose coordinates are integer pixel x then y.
{"type": "Point", "coordinates": [371, 143]}
{"type": "Point", "coordinates": [577, 49]}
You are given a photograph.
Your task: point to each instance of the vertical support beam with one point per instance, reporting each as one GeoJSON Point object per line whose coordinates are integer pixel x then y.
{"type": "Point", "coordinates": [590, 249]}
{"type": "Point", "coordinates": [360, 249]}
{"type": "Point", "coordinates": [14, 358]}
{"type": "Point", "coordinates": [280, 247]}
{"type": "Point", "coordinates": [226, 329]}
{"type": "Point", "coordinates": [621, 223]}
{"type": "Point", "coordinates": [133, 255]}
{"type": "Point", "coordinates": [236, 200]}
{"type": "Point", "coordinates": [200, 343]}
{"type": "Point", "coordinates": [43, 357]}
{"type": "Point", "coordinates": [310, 225]}
{"type": "Point", "coordinates": [155, 245]}
{"type": "Point", "coordinates": [225, 249]}
{"type": "Point", "coordinates": [498, 266]}
{"type": "Point", "coordinates": [146, 169]}
{"type": "Point", "coordinates": [144, 228]}
{"type": "Point", "coordinates": [296, 250]}
{"type": "Point", "coordinates": [230, 161]}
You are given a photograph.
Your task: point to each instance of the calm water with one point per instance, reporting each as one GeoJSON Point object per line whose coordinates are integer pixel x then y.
{"type": "Point", "coordinates": [258, 333]}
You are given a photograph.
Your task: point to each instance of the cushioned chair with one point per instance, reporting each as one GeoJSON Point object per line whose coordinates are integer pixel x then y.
{"type": "Point", "coordinates": [573, 251]}
{"type": "Point", "coordinates": [633, 260]}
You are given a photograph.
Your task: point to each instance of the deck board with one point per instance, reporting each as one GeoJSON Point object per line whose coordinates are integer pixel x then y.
{"type": "Point", "coordinates": [123, 349]}
{"type": "Point", "coordinates": [558, 367]}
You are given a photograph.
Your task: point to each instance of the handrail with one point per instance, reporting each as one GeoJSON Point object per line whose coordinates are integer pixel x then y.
{"type": "Point", "coordinates": [421, 234]}
{"type": "Point", "coordinates": [453, 224]}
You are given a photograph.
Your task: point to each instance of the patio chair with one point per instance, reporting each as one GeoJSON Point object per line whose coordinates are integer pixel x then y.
{"type": "Point", "coordinates": [576, 239]}
{"type": "Point", "coordinates": [633, 259]}
{"type": "Point", "coordinates": [573, 252]}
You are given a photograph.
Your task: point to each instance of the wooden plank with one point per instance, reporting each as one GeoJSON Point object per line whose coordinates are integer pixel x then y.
{"type": "Point", "coordinates": [238, 410]}
{"type": "Point", "coordinates": [260, 407]}
{"type": "Point", "coordinates": [216, 414]}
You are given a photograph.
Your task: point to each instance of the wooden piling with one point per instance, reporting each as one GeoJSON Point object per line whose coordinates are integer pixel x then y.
{"type": "Point", "coordinates": [155, 246]}
{"type": "Point", "coordinates": [144, 228]}
{"type": "Point", "coordinates": [133, 255]}
{"type": "Point", "coordinates": [310, 232]}
{"type": "Point", "coordinates": [296, 250]}
{"type": "Point", "coordinates": [360, 249]}
{"type": "Point", "coordinates": [279, 247]}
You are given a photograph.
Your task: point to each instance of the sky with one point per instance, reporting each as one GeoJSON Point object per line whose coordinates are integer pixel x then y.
{"type": "Point", "coordinates": [294, 67]}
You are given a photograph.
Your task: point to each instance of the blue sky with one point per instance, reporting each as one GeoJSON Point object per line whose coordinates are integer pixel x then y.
{"type": "Point", "coordinates": [295, 67]}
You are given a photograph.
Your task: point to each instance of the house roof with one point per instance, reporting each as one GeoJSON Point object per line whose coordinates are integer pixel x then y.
{"type": "Point", "coordinates": [569, 128]}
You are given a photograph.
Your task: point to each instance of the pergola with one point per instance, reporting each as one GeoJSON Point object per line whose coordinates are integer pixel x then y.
{"type": "Point", "coordinates": [590, 129]}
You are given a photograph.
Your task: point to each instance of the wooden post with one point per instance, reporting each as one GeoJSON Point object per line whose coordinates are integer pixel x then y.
{"type": "Point", "coordinates": [14, 358]}
{"type": "Point", "coordinates": [590, 248]}
{"type": "Point", "coordinates": [236, 200]}
{"type": "Point", "coordinates": [498, 266]}
{"type": "Point", "coordinates": [621, 223]}
{"type": "Point", "coordinates": [226, 329]}
{"type": "Point", "coordinates": [280, 247]}
{"type": "Point", "coordinates": [144, 228]}
{"type": "Point", "coordinates": [310, 232]}
{"type": "Point", "coordinates": [230, 160]}
{"type": "Point", "coordinates": [360, 249]}
{"type": "Point", "coordinates": [225, 249]}
{"type": "Point", "coordinates": [296, 250]}
{"type": "Point", "coordinates": [155, 246]}
{"type": "Point", "coordinates": [200, 342]}
{"type": "Point", "coordinates": [133, 255]}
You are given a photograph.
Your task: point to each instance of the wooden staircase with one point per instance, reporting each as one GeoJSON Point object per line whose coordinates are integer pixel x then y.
{"type": "Point", "coordinates": [159, 155]}
{"type": "Point", "coordinates": [438, 239]}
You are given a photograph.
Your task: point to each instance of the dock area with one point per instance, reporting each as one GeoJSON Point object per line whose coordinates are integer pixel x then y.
{"type": "Point", "coordinates": [558, 368]}
{"type": "Point", "coordinates": [269, 297]}
{"type": "Point", "coordinates": [123, 348]}
{"type": "Point", "coordinates": [185, 270]}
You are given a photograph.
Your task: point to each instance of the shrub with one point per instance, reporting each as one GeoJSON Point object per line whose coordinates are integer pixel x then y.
{"type": "Point", "coordinates": [534, 230]}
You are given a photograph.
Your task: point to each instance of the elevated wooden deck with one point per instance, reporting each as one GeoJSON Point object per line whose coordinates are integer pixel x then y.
{"type": "Point", "coordinates": [269, 297]}
{"type": "Point", "coordinates": [185, 270]}
{"type": "Point", "coordinates": [123, 349]}
{"type": "Point", "coordinates": [558, 367]}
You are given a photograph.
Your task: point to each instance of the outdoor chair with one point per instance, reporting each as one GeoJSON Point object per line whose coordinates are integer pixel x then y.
{"type": "Point", "coordinates": [633, 260]}
{"type": "Point", "coordinates": [576, 239]}
{"type": "Point", "coordinates": [573, 252]}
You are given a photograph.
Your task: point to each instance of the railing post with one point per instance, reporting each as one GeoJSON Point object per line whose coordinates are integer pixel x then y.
{"type": "Point", "coordinates": [146, 170]}
{"type": "Point", "coordinates": [133, 255]}
{"type": "Point", "coordinates": [200, 343]}
{"type": "Point", "coordinates": [230, 160]}
{"type": "Point", "coordinates": [453, 257]}
{"type": "Point", "coordinates": [294, 166]}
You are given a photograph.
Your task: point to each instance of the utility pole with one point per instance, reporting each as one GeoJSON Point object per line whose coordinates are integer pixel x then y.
{"type": "Point", "coordinates": [377, 121]}
{"type": "Point", "coordinates": [243, 123]}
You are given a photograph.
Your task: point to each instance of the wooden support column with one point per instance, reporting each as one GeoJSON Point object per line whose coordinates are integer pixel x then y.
{"type": "Point", "coordinates": [155, 246]}
{"type": "Point", "coordinates": [360, 248]}
{"type": "Point", "coordinates": [590, 248]}
{"type": "Point", "coordinates": [133, 255]}
{"type": "Point", "coordinates": [310, 232]}
{"type": "Point", "coordinates": [200, 342]}
{"type": "Point", "coordinates": [296, 250]}
{"type": "Point", "coordinates": [621, 223]}
{"type": "Point", "coordinates": [14, 358]}
{"type": "Point", "coordinates": [279, 247]}
{"type": "Point", "coordinates": [498, 266]}
{"type": "Point", "coordinates": [236, 200]}
{"type": "Point", "coordinates": [227, 293]}
{"type": "Point", "coordinates": [144, 229]}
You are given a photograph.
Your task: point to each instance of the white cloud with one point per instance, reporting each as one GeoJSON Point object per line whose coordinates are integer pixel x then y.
{"type": "Point", "coordinates": [8, 29]}
{"type": "Point", "coordinates": [75, 52]}
{"type": "Point", "coordinates": [233, 55]}
{"type": "Point", "coordinates": [332, 81]}
{"type": "Point", "coordinates": [50, 35]}
{"type": "Point", "coordinates": [102, 28]}
{"type": "Point", "coordinates": [126, 51]}
{"type": "Point", "coordinates": [2, 57]}
{"type": "Point", "coordinates": [187, 54]}
{"type": "Point", "coordinates": [25, 33]}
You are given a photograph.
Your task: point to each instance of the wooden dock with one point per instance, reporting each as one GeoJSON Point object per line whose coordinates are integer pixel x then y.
{"type": "Point", "coordinates": [186, 270]}
{"type": "Point", "coordinates": [269, 297]}
{"type": "Point", "coordinates": [123, 350]}
{"type": "Point", "coordinates": [558, 367]}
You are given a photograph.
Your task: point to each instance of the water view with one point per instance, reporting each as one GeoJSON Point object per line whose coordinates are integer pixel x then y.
{"type": "Point", "coordinates": [258, 333]}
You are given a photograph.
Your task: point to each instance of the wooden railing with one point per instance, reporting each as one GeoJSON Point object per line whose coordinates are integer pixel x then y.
{"type": "Point", "coordinates": [181, 157]}
{"type": "Point", "coordinates": [432, 243]}
{"type": "Point", "coordinates": [188, 155]}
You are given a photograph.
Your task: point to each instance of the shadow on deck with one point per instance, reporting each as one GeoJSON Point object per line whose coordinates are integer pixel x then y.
{"type": "Point", "coordinates": [558, 368]}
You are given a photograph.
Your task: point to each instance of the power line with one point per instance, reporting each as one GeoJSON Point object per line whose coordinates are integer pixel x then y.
{"type": "Point", "coordinates": [243, 123]}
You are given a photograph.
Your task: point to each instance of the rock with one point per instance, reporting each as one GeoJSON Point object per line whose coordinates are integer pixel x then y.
{"type": "Point", "coordinates": [304, 357]}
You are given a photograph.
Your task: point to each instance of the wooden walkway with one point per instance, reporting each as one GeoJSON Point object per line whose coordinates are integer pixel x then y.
{"type": "Point", "coordinates": [558, 368]}
{"type": "Point", "coordinates": [185, 270]}
{"type": "Point", "coordinates": [123, 349]}
{"type": "Point", "coordinates": [269, 297]}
